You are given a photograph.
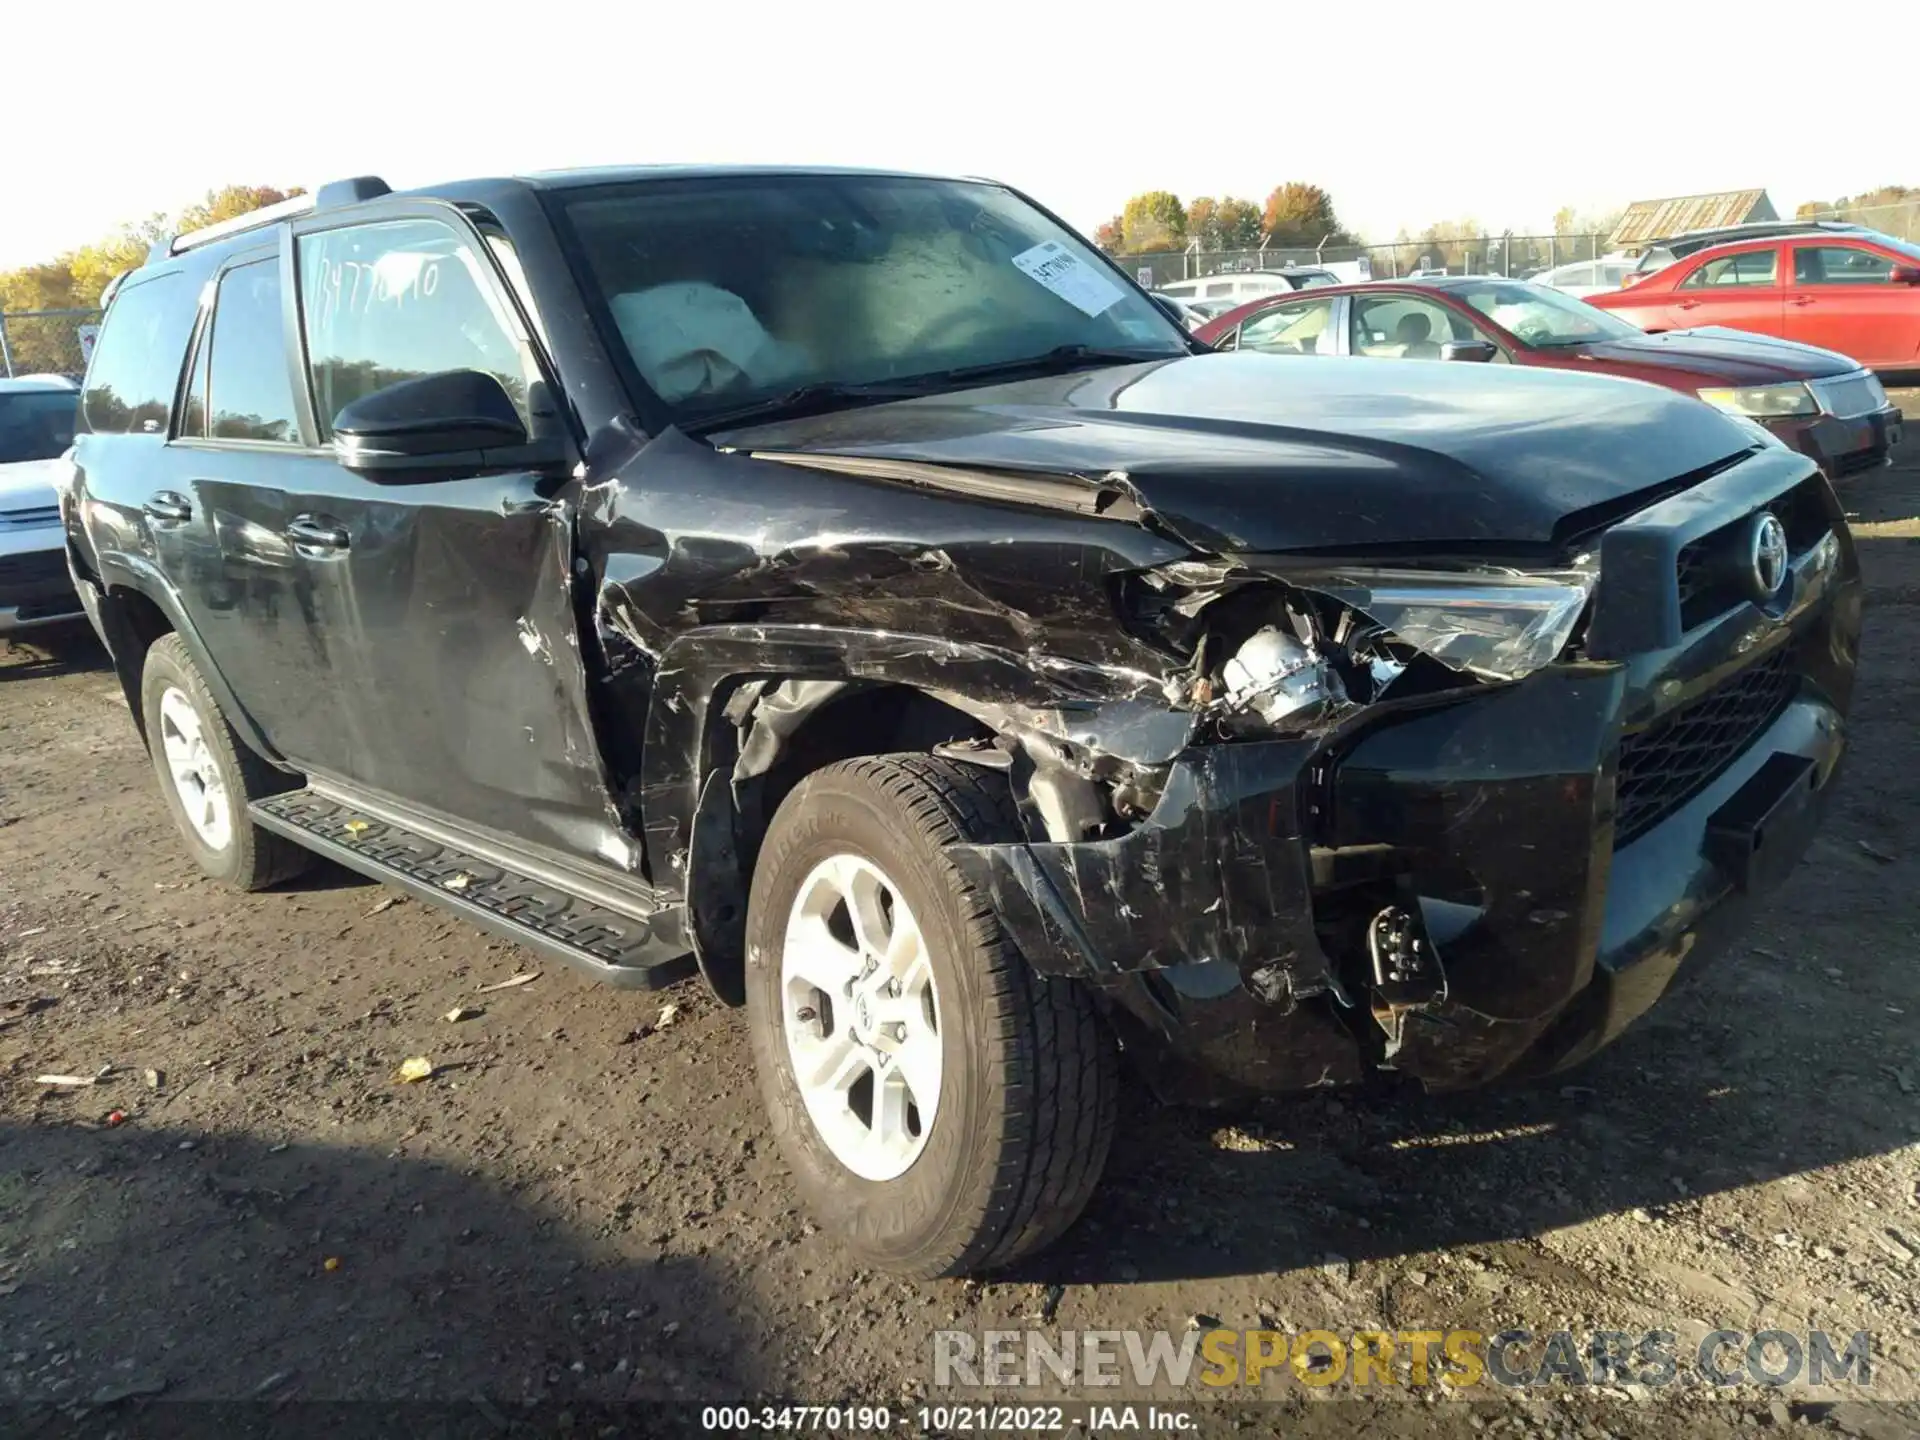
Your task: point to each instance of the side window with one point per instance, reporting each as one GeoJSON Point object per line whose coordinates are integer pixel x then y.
{"type": "Point", "coordinates": [136, 364]}
{"type": "Point", "coordinates": [1751, 267]}
{"type": "Point", "coordinates": [393, 301]}
{"type": "Point", "coordinates": [1401, 327]}
{"type": "Point", "coordinates": [1839, 265]}
{"type": "Point", "coordinates": [248, 393]}
{"type": "Point", "coordinates": [1299, 328]}
{"type": "Point", "coordinates": [1223, 288]}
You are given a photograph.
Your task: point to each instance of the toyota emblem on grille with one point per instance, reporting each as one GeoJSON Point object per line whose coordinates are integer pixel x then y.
{"type": "Point", "coordinates": [1767, 554]}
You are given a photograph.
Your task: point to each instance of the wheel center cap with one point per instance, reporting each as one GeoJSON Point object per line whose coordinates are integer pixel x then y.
{"type": "Point", "coordinates": [863, 1013]}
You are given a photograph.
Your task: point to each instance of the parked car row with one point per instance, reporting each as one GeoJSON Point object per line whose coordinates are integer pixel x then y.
{"type": "Point", "coordinates": [1820, 402]}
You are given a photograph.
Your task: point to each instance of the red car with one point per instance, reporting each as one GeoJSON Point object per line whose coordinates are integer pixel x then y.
{"type": "Point", "coordinates": [1821, 403]}
{"type": "Point", "coordinates": [1857, 292]}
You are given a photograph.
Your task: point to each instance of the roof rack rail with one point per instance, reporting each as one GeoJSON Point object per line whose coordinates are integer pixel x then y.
{"type": "Point", "coordinates": [333, 193]}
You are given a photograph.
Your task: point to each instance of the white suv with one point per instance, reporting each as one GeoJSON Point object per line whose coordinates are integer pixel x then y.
{"type": "Point", "coordinates": [36, 428]}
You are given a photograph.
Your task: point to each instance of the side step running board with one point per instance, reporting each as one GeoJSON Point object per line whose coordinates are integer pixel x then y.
{"type": "Point", "coordinates": [614, 948]}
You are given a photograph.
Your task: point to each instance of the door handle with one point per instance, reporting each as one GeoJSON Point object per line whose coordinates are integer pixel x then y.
{"type": "Point", "coordinates": [1801, 300]}
{"type": "Point", "coordinates": [1687, 305]}
{"type": "Point", "coordinates": [314, 532]}
{"type": "Point", "coordinates": [168, 505]}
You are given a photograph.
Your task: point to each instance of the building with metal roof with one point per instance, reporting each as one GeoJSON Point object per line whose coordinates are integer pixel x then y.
{"type": "Point", "coordinates": [1649, 220]}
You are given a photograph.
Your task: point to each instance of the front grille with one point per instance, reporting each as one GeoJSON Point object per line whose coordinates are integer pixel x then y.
{"type": "Point", "coordinates": [1680, 754]}
{"type": "Point", "coordinates": [39, 575]}
{"type": "Point", "coordinates": [1850, 395]}
{"type": "Point", "coordinates": [1708, 571]}
{"type": "Point", "coordinates": [31, 518]}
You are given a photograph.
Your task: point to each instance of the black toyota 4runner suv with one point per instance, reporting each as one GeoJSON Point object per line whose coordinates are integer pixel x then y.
{"type": "Point", "coordinates": [852, 586]}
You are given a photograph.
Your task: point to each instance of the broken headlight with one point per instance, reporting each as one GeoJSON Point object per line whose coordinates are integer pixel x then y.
{"type": "Point", "coordinates": [1500, 625]}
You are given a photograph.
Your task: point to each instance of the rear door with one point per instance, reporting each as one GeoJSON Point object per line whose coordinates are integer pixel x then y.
{"type": "Point", "coordinates": [218, 512]}
{"type": "Point", "coordinates": [1741, 289]}
{"type": "Point", "coordinates": [1843, 298]}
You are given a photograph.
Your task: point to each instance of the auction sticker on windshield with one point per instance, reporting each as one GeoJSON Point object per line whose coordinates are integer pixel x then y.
{"type": "Point", "coordinates": [1063, 272]}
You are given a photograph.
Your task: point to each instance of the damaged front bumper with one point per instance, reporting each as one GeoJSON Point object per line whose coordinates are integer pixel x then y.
{"type": "Point", "coordinates": [1563, 847]}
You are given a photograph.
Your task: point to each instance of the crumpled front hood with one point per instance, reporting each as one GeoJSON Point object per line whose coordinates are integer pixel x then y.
{"type": "Point", "coordinates": [31, 484]}
{"type": "Point", "coordinates": [1245, 452]}
{"type": "Point", "coordinates": [1732, 357]}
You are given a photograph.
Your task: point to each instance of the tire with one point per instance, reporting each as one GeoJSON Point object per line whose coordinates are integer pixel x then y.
{"type": "Point", "coordinates": [242, 854]}
{"type": "Point", "coordinates": [1028, 1076]}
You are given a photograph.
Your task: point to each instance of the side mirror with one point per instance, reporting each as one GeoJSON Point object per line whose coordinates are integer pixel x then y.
{"type": "Point", "coordinates": [452, 420]}
{"type": "Point", "coordinates": [1477, 351]}
{"type": "Point", "coordinates": [1905, 275]}
{"type": "Point", "coordinates": [1171, 306]}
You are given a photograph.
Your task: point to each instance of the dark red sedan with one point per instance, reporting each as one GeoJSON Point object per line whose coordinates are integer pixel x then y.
{"type": "Point", "coordinates": [1822, 403]}
{"type": "Point", "coordinates": [1854, 291]}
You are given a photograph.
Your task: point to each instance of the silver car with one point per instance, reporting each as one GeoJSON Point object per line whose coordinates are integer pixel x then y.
{"type": "Point", "coordinates": [37, 414]}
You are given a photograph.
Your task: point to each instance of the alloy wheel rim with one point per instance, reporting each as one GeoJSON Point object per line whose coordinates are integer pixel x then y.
{"type": "Point", "coordinates": [861, 1017]}
{"type": "Point", "coordinates": [196, 776]}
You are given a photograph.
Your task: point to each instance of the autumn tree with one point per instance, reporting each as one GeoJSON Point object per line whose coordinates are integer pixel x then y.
{"type": "Point", "coordinates": [1300, 214]}
{"type": "Point", "coordinates": [1153, 221]}
{"type": "Point", "coordinates": [1203, 223]}
{"type": "Point", "coordinates": [1454, 244]}
{"type": "Point", "coordinates": [1111, 236]}
{"type": "Point", "coordinates": [77, 279]}
{"type": "Point", "coordinates": [1849, 206]}
{"type": "Point", "coordinates": [1239, 224]}
{"type": "Point", "coordinates": [1229, 224]}
{"type": "Point", "coordinates": [231, 202]}
{"type": "Point", "coordinates": [1570, 221]}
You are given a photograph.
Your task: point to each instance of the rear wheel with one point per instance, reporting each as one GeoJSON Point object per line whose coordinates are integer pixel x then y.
{"type": "Point", "coordinates": [209, 776]}
{"type": "Point", "coordinates": [944, 1108]}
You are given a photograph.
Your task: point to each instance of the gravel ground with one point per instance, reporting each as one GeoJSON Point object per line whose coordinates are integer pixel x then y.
{"type": "Point", "coordinates": [583, 1206]}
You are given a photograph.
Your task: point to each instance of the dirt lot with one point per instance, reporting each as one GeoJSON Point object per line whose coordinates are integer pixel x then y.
{"type": "Point", "coordinates": [582, 1208]}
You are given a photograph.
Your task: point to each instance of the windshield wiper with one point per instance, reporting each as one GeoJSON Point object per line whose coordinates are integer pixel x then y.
{"type": "Point", "coordinates": [805, 400]}
{"type": "Point", "coordinates": [1061, 357]}
{"type": "Point", "coordinates": [831, 395]}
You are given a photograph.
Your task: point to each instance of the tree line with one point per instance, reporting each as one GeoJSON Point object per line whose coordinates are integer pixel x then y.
{"type": "Point", "coordinates": [76, 280]}
{"type": "Point", "coordinates": [1295, 214]}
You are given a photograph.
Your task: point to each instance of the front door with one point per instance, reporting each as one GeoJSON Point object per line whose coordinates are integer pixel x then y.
{"type": "Point", "coordinates": [452, 640]}
{"type": "Point", "coordinates": [1843, 298]}
{"type": "Point", "coordinates": [1741, 290]}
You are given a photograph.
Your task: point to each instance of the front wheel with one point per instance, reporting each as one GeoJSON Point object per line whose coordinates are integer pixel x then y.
{"type": "Point", "coordinates": [944, 1108]}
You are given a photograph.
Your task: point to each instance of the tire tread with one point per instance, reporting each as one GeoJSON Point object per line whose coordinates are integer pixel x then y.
{"type": "Point", "coordinates": [1062, 1076]}
{"type": "Point", "coordinates": [262, 858]}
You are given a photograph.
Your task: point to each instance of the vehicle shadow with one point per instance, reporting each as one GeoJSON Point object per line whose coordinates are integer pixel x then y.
{"type": "Point", "coordinates": [142, 1266]}
{"type": "Point", "coordinates": [1791, 1052]}
{"type": "Point", "coordinates": [57, 650]}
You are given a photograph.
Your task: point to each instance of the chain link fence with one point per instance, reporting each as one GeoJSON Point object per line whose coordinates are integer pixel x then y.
{"type": "Point", "coordinates": [47, 342]}
{"type": "Point", "coordinates": [1515, 256]}
{"type": "Point", "coordinates": [1900, 221]}
{"type": "Point", "coordinates": [1509, 255]}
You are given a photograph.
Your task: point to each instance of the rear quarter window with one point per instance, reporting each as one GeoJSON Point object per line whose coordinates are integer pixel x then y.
{"type": "Point", "coordinates": [136, 363]}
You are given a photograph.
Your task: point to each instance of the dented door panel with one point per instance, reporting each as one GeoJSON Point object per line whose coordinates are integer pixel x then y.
{"type": "Point", "coordinates": [448, 623]}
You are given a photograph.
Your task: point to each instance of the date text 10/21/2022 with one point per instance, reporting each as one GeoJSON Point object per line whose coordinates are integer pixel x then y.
{"type": "Point", "coordinates": [979, 1419]}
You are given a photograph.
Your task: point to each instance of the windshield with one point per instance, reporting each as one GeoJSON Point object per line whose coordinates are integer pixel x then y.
{"type": "Point", "coordinates": [36, 424]}
{"type": "Point", "coordinates": [1893, 242]}
{"type": "Point", "coordinates": [1540, 316]}
{"type": "Point", "coordinates": [731, 290]}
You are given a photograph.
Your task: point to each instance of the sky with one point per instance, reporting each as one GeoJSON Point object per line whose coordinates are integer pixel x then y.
{"type": "Point", "coordinates": [1406, 114]}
